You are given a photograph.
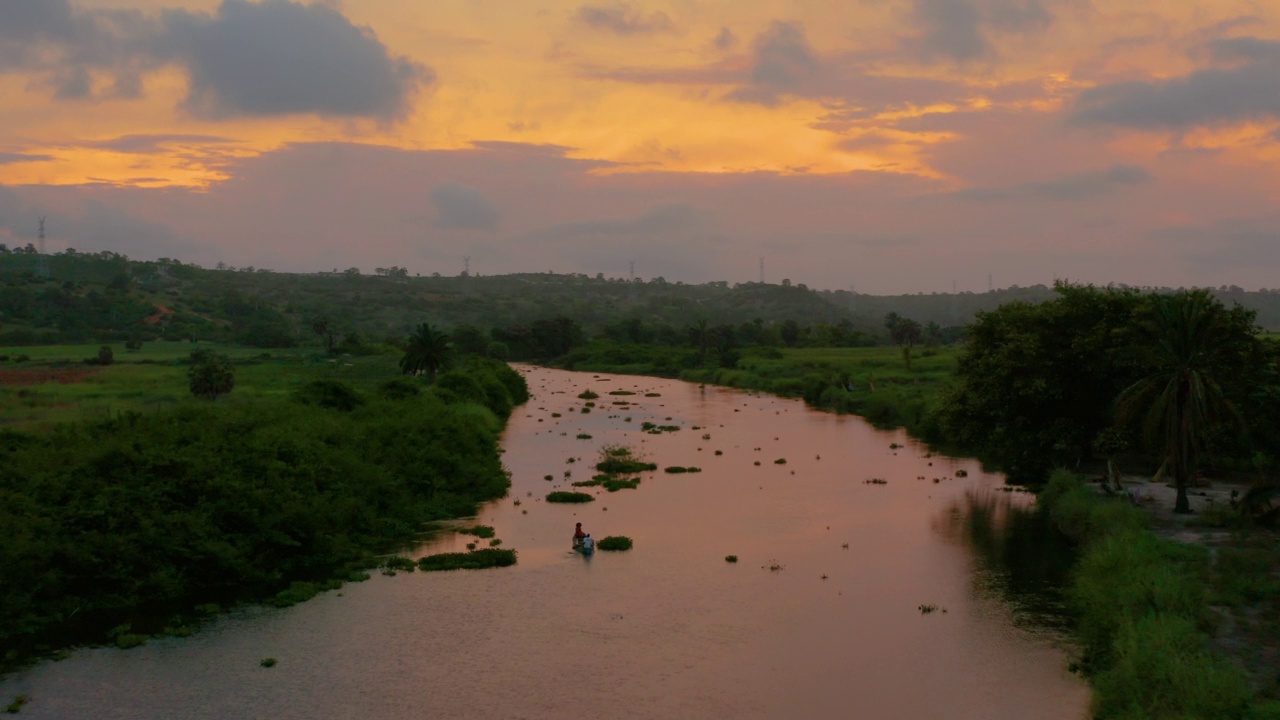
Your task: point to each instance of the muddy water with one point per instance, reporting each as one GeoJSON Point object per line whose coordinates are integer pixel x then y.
{"type": "Point", "coordinates": [667, 630]}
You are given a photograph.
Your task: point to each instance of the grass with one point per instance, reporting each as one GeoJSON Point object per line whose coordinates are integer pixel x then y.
{"type": "Point", "coordinates": [618, 460]}
{"type": "Point", "coordinates": [480, 531]}
{"type": "Point", "coordinates": [475, 560]}
{"type": "Point", "coordinates": [561, 496]}
{"type": "Point", "coordinates": [615, 543]}
{"type": "Point", "coordinates": [1141, 607]}
{"type": "Point", "coordinates": [154, 378]}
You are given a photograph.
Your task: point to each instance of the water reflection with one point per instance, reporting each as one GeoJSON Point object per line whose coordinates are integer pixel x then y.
{"type": "Point", "coordinates": [1019, 556]}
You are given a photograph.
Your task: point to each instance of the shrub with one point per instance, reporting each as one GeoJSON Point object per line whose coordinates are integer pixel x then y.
{"type": "Point", "coordinates": [615, 542]}
{"type": "Point", "coordinates": [560, 496]}
{"type": "Point", "coordinates": [331, 394]}
{"type": "Point", "coordinates": [481, 531]}
{"type": "Point", "coordinates": [731, 558]}
{"type": "Point", "coordinates": [476, 560]}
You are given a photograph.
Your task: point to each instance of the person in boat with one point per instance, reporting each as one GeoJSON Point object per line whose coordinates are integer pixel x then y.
{"type": "Point", "coordinates": [578, 535]}
{"type": "Point", "coordinates": [588, 545]}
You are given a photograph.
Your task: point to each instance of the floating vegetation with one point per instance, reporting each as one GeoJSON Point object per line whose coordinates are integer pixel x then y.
{"type": "Point", "coordinates": [731, 558]}
{"type": "Point", "coordinates": [757, 462]}
{"type": "Point", "coordinates": [584, 436]}
{"type": "Point", "coordinates": [719, 452]}
{"type": "Point", "coordinates": [495, 542]}
{"type": "Point", "coordinates": [615, 543]}
{"type": "Point", "coordinates": [780, 461]}
{"type": "Point", "coordinates": [471, 546]}
{"type": "Point", "coordinates": [548, 478]}
{"type": "Point", "coordinates": [590, 404]}
{"type": "Point", "coordinates": [626, 419]}
{"type": "Point", "coordinates": [561, 496]}
{"type": "Point", "coordinates": [588, 395]}
{"type": "Point", "coordinates": [570, 460]}
{"type": "Point", "coordinates": [929, 608]}
{"type": "Point", "coordinates": [653, 394]}
{"type": "Point", "coordinates": [477, 560]}
{"type": "Point", "coordinates": [894, 446]}
{"type": "Point", "coordinates": [705, 436]}
{"type": "Point", "coordinates": [586, 410]}
{"type": "Point", "coordinates": [875, 481]}
{"type": "Point", "coordinates": [616, 484]}
{"type": "Point", "coordinates": [962, 473]}
{"type": "Point", "coordinates": [775, 566]}
{"type": "Point", "coordinates": [553, 415]}
{"type": "Point", "coordinates": [267, 662]}
{"type": "Point", "coordinates": [395, 562]}
{"type": "Point", "coordinates": [617, 460]}
{"type": "Point", "coordinates": [675, 469]}
{"type": "Point", "coordinates": [621, 392]}
{"type": "Point", "coordinates": [481, 531]}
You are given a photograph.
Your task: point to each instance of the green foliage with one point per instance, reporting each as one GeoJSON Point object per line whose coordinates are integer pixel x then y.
{"type": "Point", "coordinates": [267, 662]}
{"type": "Point", "coordinates": [474, 560]}
{"type": "Point", "coordinates": [480, 531]}
{"type": "Point", "coordinates": [561, 496]}
{"type": "Point", "coordinates": [148, 515]}
{"type": "Point", "coordinates": [331, 394]}
{"type": "Point", "coordinates": [615, 543]}
{"type": "Point", "coordinates": [427, 351]}
{"type": "Point", "coordinates": [731, 558]}
{"type": "Point", "coordinates": [1140, 604]}
{"type": "Point", "coordinates": [210, 374]}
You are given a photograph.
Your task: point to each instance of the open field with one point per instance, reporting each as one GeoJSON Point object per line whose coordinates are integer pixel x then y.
{"type": "Point", "coordinates": [55, 385]}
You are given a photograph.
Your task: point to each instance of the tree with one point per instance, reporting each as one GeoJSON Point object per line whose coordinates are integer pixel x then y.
{"type": "Point", "coordinates": [427, 351]}
{"type": "Point", "coordinates": [1190, 343]}
{"type": "Point", "coordinates": [701, 336]}
{"type": "Point", "coordinates": [210, 375]}
{"type": "Point", "coordinates": [904, 332]}
{"type": "Point", "coordinates": [322, 327]}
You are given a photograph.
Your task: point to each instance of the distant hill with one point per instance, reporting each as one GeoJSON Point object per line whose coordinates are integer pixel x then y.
{"type": "Point", "coordinates": [104, 297]}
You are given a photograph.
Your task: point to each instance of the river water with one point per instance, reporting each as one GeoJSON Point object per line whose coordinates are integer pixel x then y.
{"type": "Point", "coordinates": [820, 618]}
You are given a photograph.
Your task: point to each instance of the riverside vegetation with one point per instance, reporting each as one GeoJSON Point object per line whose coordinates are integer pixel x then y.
{"type": "Point", "coordinates": [146, 519]}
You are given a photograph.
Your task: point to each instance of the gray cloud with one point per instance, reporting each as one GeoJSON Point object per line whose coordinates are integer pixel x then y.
{"type": "Point", "coordinates": [1228, 243]}
{"type": "Point", "coordinates": [148, 144]}
{"type": "Point", "coordinates": [622, 19]}
{"type": "Point", "coordinates": [783, 60]}
{"type": "Point", "coordinates": [462, 207]}
{"type": "Point", "coordinates": [275, 57]}
{"type": "Point", "coordinates": [1080, 186]}
{"type": "Point", "coordinates": [8, 158]}
{"type": "Point", "coordinates": [280, 58]}
{"type": "Point", "coordinates": [960, 30]}
{"type": "Point", "coordinates": [951, 29]}
{"type": "Point", "coordinates": [725, 39]}
{"type": "Point", "coordinates": [1247, 88]}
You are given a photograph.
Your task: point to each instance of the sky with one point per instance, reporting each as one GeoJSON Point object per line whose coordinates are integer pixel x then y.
{"type": "Point", "coordinates": [885, 146]}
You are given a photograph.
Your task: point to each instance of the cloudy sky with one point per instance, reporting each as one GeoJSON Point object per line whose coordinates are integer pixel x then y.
{"type": "Point", "coordinates": [887, 145]}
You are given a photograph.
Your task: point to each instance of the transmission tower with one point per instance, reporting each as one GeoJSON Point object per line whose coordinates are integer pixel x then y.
{"type": "Point", "coordinates": [466, 266]}
{"type": "Point", "coordinates": [42, 262]}
{"type": "Point", "coordinates": [631, 276]}
{"type": "Point", "coordinates": [762, 271]}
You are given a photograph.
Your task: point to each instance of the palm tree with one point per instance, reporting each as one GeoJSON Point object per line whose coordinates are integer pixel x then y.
{"type": "Point", "coordinates": [701, 336]}
{"type": "Point", "coordinates": [427, 351]}
{"type": "Point", "coordinates": [1187, 338]}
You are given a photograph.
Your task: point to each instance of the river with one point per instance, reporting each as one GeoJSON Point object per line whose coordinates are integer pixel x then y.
{"type": "Point", "coordinates": [820, 618]}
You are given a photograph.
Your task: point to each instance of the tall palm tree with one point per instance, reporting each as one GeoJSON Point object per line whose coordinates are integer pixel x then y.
{"type": "Point", "coordinates": [701, 336]}
{"type": "Point", "coordinates": [427, 351]}
{"type": "Point", "coordinates": [1187, 336]}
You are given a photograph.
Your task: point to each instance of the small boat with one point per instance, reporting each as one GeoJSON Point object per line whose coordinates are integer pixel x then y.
{"type": "Point", "coordinates": [585, 546]}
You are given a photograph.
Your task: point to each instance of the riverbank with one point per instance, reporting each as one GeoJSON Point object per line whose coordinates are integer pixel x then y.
{"type": "Point", "coordinates": [1158, 601]}
{"type": "Point", "coordinates": [146, 524]}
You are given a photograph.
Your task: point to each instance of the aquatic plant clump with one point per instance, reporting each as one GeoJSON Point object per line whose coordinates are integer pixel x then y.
{"type": "Point", "coordinates": [561, 496]}
{"type": "Point", "coordinates": [615, 543]}
{"type": "Point", "coordinates": [475, 560]}
{"type": "Point", "coordinates": [480, 531]}
{"type": "Point", "coordinates": [731, 558]}
{"type": "Point", "coordinates": [617, 460]}
{"type": "Point", "coordinates": [587, 395]}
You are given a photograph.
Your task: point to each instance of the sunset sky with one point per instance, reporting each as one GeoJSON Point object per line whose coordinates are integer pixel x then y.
{"type": "Point", "coordinates": [885, 145]}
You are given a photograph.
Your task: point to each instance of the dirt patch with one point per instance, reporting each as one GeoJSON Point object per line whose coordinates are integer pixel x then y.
{"type": "Point", "coordinates": [20, 377]}
{"type": "Point", "coordinates": [160, 314]}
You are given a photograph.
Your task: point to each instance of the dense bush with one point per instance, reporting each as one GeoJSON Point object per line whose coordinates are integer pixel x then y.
{"type": "Point", "coordinates": [561, 496]}
{"type": "Point", "coordinates": [615, 542]}
{"type": "Point", "coordinates": [474, 560]}
{"type": "Point", "coordinates": [143, 516]}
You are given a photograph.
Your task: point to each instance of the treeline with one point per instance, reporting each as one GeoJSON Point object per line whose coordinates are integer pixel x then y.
{"type": "Point", "coordinates": [269, 309]}
{"type": "Point", "coordinates": [122, 527]}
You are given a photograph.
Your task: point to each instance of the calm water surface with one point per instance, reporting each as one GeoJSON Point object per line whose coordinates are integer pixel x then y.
{"type": "Point", "coordinates": [667, 630]}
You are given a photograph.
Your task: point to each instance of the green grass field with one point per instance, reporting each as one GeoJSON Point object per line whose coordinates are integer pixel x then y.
{"type": "Point", "coordinates": [154, 377]}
